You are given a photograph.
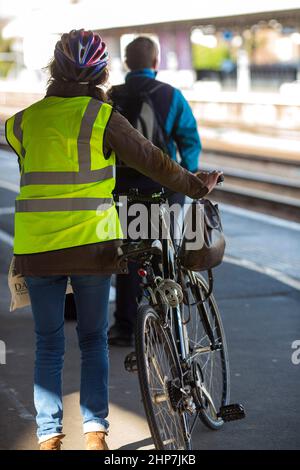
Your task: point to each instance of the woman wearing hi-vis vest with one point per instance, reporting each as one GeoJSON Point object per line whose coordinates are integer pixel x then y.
{"type": "Point", "coordinates": [66, 145]}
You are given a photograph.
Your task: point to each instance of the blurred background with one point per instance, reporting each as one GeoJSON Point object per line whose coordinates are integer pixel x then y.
{"type": "Point", "coordinates": [238, 64]}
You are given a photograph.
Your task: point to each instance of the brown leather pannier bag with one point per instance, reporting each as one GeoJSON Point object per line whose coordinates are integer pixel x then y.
{"type": "Point", "coordinates": [203, 243]}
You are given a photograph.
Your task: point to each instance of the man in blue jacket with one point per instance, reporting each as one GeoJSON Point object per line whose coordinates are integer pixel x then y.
{"type": "Point", "coordinates": [181, 137]}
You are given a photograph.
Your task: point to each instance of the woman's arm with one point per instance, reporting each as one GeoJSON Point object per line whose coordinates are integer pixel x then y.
{"type": "Point", "coordinates": [139, 153]}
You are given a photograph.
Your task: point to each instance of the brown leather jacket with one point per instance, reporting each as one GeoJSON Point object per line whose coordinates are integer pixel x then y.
{"type": "Point", "coordinates": [102, 258]}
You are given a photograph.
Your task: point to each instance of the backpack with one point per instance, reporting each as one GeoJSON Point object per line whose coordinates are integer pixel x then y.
{"type": "Point", "coordinates": [139, 109]}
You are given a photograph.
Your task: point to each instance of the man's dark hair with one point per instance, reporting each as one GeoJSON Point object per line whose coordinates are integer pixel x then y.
{"type": "Point", "coordinates": [141, 53]}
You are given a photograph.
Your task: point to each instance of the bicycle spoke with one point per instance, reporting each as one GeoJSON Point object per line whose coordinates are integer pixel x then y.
{"type": "Point", "coordinates": [210, 360]}
{"type": "Point", "coordinates": [161, 370]}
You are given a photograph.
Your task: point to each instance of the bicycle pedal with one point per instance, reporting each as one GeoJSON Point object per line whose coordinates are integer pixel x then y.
{"type": "Point", "coordinates": [130, 363]}
{"type": "Point", "coordinates": [232, 412]}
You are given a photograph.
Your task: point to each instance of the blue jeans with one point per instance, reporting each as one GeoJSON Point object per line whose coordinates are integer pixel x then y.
{"type": "Point", "coordinates": [47, 294]}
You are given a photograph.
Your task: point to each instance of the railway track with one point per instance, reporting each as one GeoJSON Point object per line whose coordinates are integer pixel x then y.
{"type": "Point", "coordinates": [263, 184]}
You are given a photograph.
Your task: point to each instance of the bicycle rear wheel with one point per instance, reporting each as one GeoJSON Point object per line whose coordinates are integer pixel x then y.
{"type": "Point", "coordinates": [211, 367]}
{"type": "Point", "coordinates": [159, 376]}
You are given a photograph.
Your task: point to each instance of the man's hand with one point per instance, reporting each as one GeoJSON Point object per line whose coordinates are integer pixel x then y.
{"type": "Point", "coordinates": [209, 178]}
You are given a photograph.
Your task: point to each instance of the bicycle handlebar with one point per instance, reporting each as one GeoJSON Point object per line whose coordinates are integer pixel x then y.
{"type": "Point", "coordinates": [134, 195]}
{"type": "Point", "coordinates": [160, 196]}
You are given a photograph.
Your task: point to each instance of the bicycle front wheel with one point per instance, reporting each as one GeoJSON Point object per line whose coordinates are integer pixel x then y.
{"type": "Point", "coordinates": [159, 377]}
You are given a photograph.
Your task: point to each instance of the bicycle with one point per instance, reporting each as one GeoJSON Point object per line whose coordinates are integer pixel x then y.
{"type": "Point", "coordinates": [180, 353]}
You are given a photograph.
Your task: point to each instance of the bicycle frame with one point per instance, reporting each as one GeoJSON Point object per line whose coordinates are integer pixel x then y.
{"type": "Point", "coordinates": [166, 292]}
{"type": "Point", "coordinates": [180, 342]}
{"type": "Point", "coordinates": [169, 263]}
{"type": "Point", "coordinates": [173, 317]}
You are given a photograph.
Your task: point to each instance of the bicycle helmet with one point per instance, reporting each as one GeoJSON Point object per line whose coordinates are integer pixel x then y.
{"type": "Point", "coordinates": [81, 55]}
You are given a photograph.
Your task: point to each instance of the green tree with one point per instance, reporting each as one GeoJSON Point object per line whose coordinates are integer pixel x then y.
{"type": "Point", "coordinates": [209, 58]}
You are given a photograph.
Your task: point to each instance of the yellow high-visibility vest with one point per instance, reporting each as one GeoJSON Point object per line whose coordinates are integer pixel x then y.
{"type": "Point", "coordinates": [66, 180]}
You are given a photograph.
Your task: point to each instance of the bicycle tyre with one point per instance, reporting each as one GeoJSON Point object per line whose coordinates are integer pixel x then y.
{"type": "Point", "coordinates": [146, 316]}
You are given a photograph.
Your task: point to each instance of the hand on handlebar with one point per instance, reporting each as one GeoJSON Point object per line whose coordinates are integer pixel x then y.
{"type": "Point", "coordinates": [210, 178]}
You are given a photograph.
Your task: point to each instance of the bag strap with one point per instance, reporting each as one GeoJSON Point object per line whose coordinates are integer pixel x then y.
{"type": "Point", "coordinates": [156, 87]}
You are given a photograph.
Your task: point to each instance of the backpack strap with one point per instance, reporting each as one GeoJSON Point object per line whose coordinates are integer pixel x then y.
{"type": "Point", "coordinates": [156, 87]}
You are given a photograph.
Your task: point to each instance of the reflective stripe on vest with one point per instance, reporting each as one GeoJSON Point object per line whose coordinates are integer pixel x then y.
{"type": "Point", "coordinates": [67, 177]}
{"type": "Point", "coordinates": [63, 204]}
{"type": "Point", "coordinates": [85, 133]}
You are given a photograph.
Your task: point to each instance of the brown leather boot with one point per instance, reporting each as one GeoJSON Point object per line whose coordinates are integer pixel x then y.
{"type": "Point", "coordinates": [54, 443]}
{"type": "Point", "coordinates": [95, 440]}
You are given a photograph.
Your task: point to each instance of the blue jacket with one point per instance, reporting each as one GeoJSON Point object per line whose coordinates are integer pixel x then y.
{"type": "Point", "coordinates": [175, 115]}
